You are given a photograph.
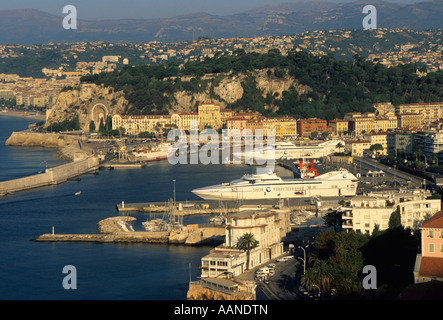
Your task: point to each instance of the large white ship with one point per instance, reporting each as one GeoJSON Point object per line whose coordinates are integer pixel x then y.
{"type": "Point", "coordinates": [292, 151]}
{"type": "Point", "coordinates": [271, 186]}
{"type": "Point", "coordinates": [155, 154]}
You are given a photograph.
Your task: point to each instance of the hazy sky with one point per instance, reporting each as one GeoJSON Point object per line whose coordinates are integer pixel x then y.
{"type": "Point", "coordinates": [146, 9]}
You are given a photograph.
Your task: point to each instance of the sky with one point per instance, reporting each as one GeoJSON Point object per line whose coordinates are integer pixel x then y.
{"type": "Point", "coordinates": [146, 9]}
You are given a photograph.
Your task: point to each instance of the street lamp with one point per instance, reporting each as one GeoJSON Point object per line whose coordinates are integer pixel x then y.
{"type": "Point", "coordinates": [174, 190]}
{"type": "Point", "coordinates": [304, 259]}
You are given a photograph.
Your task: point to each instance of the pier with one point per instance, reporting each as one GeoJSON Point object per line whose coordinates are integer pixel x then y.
{"type": "Point", "coordinates": [51, 176]}
{"type": "Point", "coordinates": [119, 230]}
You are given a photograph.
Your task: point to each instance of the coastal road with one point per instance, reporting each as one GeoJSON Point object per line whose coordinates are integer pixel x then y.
{"type": "Point", "coordinates": [283, 285]}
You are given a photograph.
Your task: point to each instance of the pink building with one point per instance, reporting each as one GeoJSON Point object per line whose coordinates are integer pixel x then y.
{"type": "Point", "coordinates": [236, 123]}
{"type": "Point", "coordinates": [429, 264]}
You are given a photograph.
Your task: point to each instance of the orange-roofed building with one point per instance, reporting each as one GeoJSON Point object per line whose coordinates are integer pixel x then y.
{"type": "Point", "coordinates": [429, 264]}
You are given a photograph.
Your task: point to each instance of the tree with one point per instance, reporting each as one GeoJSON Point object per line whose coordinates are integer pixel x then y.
{"type": "Point", "coordinates": [247, 242]}
{"type": "Point", "coordinates": [376, 148]}
{"type": "Point", "coordinates": [92, 126]}
{"type": "Point", "coordinates": [339, 146]}
{"type": "Point", "coordinates": [395, 219]}
{"type": "Point", "coordinates": [333, 218]}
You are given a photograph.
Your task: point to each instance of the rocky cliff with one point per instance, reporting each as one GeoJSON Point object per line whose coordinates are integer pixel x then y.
{"type": "Point", "coordinates": [223, 89]}
{"type": "Point", "coordinates": [32, 139]}
{"type": "Point", "coordinates": [81, 100]}
{"type": "Point", "coordinates": [230, 89]}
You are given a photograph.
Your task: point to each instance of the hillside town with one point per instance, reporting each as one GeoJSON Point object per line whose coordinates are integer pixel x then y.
{"type": "Point", "coordinates": [398, 146]}
{"type": "Point", "coordinates": [72, 61]}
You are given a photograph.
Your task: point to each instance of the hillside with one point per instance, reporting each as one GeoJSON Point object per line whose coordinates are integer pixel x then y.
{"type": "Point", "coordinates": [30, 26]}
{"type": "Point", "coordinates": [298, 84]}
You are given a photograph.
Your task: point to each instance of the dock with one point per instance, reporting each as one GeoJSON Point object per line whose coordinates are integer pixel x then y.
{"type": "Point", "coordinates": [119, 230]}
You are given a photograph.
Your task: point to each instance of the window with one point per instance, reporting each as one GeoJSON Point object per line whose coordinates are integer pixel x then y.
{"type": "Point", "coordinates": [431, 234]}
{"type": "Point", "coordinates": [431, 247]}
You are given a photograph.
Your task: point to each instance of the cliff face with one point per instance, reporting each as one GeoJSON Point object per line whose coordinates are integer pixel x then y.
{"type": "Point", "coordinates": [230, 89]}
{"type": "Point", "coordinates": [222, 89]}
{"type": "Point", "coordinates": [81, 101]}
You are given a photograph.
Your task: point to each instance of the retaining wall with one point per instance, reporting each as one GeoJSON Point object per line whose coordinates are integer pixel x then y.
{"type": "Point", "coordinates": [54, 175]}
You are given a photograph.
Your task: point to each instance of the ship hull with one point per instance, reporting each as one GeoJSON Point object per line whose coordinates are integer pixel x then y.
{"type": "Point", "coordinates": [300, 189]}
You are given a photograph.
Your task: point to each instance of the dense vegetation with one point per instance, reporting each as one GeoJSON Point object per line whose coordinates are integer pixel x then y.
{"type": "Point", "coordinates": [337, 87]}
{"type": "Point", "coordinates": [336, 261]}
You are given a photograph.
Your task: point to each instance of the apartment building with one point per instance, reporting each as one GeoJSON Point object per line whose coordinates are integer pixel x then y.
{"type": "Point", "coordinates": [399, 143]}
{"type": "Point", "coordinates": [368, 122]}
{"type": "Point", "coordinates": [410, 120]}
{"type": "Point", "coordinates": [365, 212]}
{"type": "Point", "coordinates": [209, 116]}
{"type": "Point", "coordinates": [378, 138]}
{"type": "Point", "coordinates": [430, 111]}
{"type": "Point", "coordinates": [283, 127]}
{"type": "Point", "coordinates": [307, 126]}
{"type": "Point", "coordinates": [338, 127]}
{"type": "Point", "coordinates": [268, 226]}
{"type": "Point", "coordinates": [429, 263]}
{"type": "Point", "coordinates": [357, 147]}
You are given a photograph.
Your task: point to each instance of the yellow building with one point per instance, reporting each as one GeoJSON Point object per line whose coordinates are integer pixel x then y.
{"type": "Point", "coordinates": [410, 119]}
{"type": "Point", "coordinates": [429, 111]}
{"type": "Point", "coordinates": [378, 138]}
{"type": "Point", "coordinates": [357, 147]}
{"type": "Point", "coordinates": [339, 126]}
{"type": "Point", "coordinates": [283, 127]}
{"type": "Point", "coordinates": [209, 116]}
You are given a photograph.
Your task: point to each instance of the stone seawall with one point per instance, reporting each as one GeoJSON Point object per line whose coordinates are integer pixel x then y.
{"type": "Point", "coordinates": [51, 176]}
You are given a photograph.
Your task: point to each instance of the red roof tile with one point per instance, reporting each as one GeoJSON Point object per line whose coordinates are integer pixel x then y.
{"type": "Point", "coordinates": [431, 266]}
{"type": "Point", "coordinates": [436, 221]}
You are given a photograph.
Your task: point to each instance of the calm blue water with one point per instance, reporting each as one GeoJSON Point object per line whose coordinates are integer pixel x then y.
{"type": "Point", "coordinates": [32, 270]}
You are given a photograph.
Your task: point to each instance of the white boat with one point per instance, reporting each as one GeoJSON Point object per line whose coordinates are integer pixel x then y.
{"type": "Point", "coordinates": [78, 193]}
{"type": "Point", "coordinates": [156, 154]}
{"type": "Point", "coordinates": [291, 151]}
{"type": "Point", "coordinates": [271, 186]}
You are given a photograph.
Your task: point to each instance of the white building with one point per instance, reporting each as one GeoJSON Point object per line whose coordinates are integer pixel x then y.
{"type": "Point", "coordinates": [365, 212]}
{"type": "Point", "coordinates": [267, 224]}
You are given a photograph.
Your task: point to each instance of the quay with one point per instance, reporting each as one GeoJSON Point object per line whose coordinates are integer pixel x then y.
{"type": "Point", "coordinates": [119, 230]}
{"type": "Point", "coordinates": [51, 176]}
{"type": "Point", "coordinates": [185, 208]}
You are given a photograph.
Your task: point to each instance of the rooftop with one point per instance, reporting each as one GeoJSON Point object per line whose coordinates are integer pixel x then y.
{"type": "Point", "coordinates": [436, 221]}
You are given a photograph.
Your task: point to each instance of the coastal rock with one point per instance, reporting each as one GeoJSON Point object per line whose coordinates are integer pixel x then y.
{"type": "Point", "coordinates": [39, 139]}
{"type": "Point", "coordinates": [195, 236]}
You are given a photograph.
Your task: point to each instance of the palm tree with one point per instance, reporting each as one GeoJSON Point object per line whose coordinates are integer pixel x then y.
{"type": "Point", "coordinates": [339, 146]}
{"type": "Point", "coordinates": [247, 242]}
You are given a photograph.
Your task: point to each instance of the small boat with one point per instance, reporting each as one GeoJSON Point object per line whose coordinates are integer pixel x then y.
{"type": "Point", "coordinates": [78, 193]}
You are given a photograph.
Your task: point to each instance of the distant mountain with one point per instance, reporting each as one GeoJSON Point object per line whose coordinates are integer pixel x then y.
{"type": "Point", "coordinates": [28, 26]}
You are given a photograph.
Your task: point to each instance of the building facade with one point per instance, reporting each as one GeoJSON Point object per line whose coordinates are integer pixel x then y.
{"type": "Point", "coordinates": [429, 263]}
{"type": "Point", "coordinates": [267, 225]}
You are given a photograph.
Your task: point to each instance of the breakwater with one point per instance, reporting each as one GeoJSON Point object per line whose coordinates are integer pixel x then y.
{"type": "Point", "coordinates": [119, 230]}
{"type": "Point", "coordinates": [51, 176]}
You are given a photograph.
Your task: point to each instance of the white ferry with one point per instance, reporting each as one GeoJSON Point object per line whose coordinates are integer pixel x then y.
{"type": "Point", "coordinates": [271, 186]}
{"type": "Point", "coordinates": [291, 151]}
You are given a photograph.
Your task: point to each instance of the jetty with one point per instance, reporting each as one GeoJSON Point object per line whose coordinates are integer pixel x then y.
{"type": "Point", "coordinates": [52, 176]}
{"type": "Point", "coordinates": [119, 230]}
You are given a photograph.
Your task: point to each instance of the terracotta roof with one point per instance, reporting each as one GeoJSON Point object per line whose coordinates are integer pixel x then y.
{"type": "Point", "coordinates": [436, 221]}
{"type": "Point", "coordinates": [431, 266]}
{"type": "Point", "coordinates": [423, 291]}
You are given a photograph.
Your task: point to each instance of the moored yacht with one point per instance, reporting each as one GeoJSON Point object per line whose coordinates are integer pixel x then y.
{"type": "Point", "coordinates": [270, 186]}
